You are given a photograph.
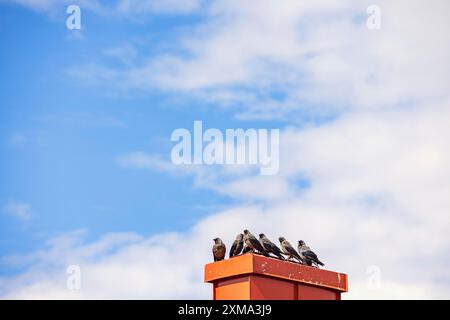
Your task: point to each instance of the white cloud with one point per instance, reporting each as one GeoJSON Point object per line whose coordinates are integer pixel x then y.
{"type": "Point", "coordinates": [125, 53]}
{"type": "Point", "coordinates": [318, 55]}
{"type": "Point", "coordinates": [348, 237]}
{"type": "Point", "coordinates": [141, 160]}
{"type": "Point", "coordinates": [19, 210]}
{"type": "Point", "coordinates": [378, 196]}
{"type": "Point", "coordinates": [157, 6]}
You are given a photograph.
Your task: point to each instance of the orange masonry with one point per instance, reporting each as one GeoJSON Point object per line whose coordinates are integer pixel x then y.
{"type": "Point", "coordinates": [254, 277]}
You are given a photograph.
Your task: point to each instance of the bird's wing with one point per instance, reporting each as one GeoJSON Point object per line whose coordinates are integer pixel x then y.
{"type": "Point", "coordinates": [263, 243]}
{"type": "Point", "coordinates": [216, 249]}
{"type": "Point", "coordinates": [292, 251]}
{"type": "Point", "coordinates": [257, 244]}
{"type": "Point", "coordinates": [233, 247]}
{"type": "Point", "coordinates": [239, 246]}
{"type": "Point", "coordinates": [311, 255]}
{"type": "Point", "coordinates": [272, 247]}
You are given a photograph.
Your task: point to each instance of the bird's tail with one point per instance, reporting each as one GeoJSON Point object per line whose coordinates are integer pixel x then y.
{"type": "Point", "coordinates": [317, 262]}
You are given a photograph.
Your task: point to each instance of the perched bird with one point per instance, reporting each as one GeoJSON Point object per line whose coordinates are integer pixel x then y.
{"type": "Point", "coordinates": [269, 246]}
{"type": "Point", "coordinates": [251, 241]}
{"type": "Point", "coordinates": [307, 255]}
{"type": "Point", "coordinates": [237, 246]}
{"type": "Point", "coordinates": [289, 250]}
{"type": "Point", "coordinates": [218, 249]}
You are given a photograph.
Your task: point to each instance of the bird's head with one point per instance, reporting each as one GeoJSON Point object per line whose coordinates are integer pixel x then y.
{"type": "Point", "coordinates": [281, 239]}
{"type": "Point", "coordinates": [240, 236]}
{"type": "Point", "coordinates": [262, 235]}
{"type": "Point", "coordinates": [246, 232]}
{"type": "Point", "coordinates": [301, 242]}
{"type": "Point", "coordinates": [216, 240]}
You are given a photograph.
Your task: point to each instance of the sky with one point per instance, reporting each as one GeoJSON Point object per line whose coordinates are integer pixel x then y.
{"type": "Point", "coordinates": [87, 115]}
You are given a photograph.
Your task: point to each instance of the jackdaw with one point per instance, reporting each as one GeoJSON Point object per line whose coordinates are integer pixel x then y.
{"type": "Point", "coordinates": [289, 250]}
{"type": "Point", "coordinates": [307, 255]}
{"type": "Point", "coordinates": [251, 241]}
{"type": "Point", "coordinates": [218, 249]}
{"type": "Point", "coordinates": [269, 246]}
{"type": "Point", "coordinates": [237, 246]}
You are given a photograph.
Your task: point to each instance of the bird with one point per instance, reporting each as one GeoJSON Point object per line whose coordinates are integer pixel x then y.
{"type": "Point", "coordinates": [307, 255]}
{"type": "Point", "coordinates": [253, 243]}
{"type": "Point", "coordinates": [269, 246]}
{"type": "Point", "coordinates": [289, 250]}
{"type": "Point", "coordinates": [237, 246]}
{"type": "Point", "coordinates": [218, 249]}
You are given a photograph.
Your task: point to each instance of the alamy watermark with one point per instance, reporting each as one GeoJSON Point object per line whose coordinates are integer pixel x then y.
{"type": "Point", "coordinates": [234, 147]}
{"type": "Point", "coordinates": [373, 277]}
{"type": "Point", "coordinates": [374, 19]}
{"type": "Point", "coordinates": [73, 21]}
{"type": "Point", "coordinates": [73, 281]}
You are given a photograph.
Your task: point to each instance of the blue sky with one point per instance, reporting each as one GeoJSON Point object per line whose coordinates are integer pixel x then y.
{"type": "Point", "coordinates": [86, 118]}
{"type": "Point", "coordinates": [73, 133]}
{"type": "Point", "coordinates": [62, 137]}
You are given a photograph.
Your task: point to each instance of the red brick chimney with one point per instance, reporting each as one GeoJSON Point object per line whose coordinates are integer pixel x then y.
{"type": "Point", "coordinates": [255, 277]}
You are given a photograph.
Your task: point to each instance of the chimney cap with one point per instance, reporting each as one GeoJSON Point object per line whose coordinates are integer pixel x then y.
{"type": "Point", "coordinates": [275, 268]}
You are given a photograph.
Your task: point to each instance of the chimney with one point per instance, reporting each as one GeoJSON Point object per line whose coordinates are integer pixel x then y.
{"type": "Point", "coordinates": [255, 277]}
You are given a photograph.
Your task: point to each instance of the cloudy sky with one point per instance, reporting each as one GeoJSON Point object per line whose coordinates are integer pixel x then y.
{"type": "Point", "coordinates": [86, 118]}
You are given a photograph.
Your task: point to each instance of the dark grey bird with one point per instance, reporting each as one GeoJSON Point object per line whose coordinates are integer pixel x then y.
{"type": "Point", "coordinates": [218, 249]}
{"type": "Point", "coordinates": [237, 246]}
{"type": "Point", "coordinates": [289, 250]}
{"type": "Point", "coordinates": [307, 255]}
{"type": "Point", "coordinates": [269, 246]}
{"type": "Point", "coordinates": [253, 243]}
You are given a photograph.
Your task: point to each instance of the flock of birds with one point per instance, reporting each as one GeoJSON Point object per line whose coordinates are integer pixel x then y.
{"type": "Point", "coordinates": [247, 242]}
